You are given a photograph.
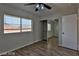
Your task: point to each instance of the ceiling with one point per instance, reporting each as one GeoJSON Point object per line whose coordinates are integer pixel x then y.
{"type": "Point", "coordinates": [57, 8]}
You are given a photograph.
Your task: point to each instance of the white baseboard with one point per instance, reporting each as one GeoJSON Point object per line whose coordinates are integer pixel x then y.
{"type": "Point", "coordinates": [18, 48]}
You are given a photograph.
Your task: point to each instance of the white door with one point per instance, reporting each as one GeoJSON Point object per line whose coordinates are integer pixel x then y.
{"type": "Point", "coordinates": [69, 31]}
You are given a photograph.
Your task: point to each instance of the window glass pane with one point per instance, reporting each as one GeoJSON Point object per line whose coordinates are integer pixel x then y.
{"type": "Point", "coordinates": [26, 25]}
{"type": "Point", "coordinates": [49, 27]}
{"type": "Point", "coordinates": [11, 24]}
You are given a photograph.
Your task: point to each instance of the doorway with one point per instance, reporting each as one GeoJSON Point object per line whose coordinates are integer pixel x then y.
{"type": "Point", "coordinates": [53, 33]}
{"type": "Point", "coordinates": [44, 30]}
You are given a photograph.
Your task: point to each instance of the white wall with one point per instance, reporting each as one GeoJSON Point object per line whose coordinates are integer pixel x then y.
{"type": "Point", "coordinates": [60, 31]}
{"type": "Point", "coordinates": [16, 40]}
{"type": "Point", "coordinates": [78, 28]}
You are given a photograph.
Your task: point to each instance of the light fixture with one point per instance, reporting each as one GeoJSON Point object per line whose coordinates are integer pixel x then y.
{"type": "Point", "coordinates": [40, 6]}
{"type": "Point", "coordinates": [37, 6]}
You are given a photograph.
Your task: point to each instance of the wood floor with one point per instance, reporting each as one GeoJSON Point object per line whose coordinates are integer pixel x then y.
{"type": "Point", "coordinates": [59, 51]}
{"type": "Point", "coordinates": [43, 49]}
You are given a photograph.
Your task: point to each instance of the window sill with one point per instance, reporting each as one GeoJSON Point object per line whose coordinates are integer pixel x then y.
{"type": "Point", "coordinates": [18, 32]}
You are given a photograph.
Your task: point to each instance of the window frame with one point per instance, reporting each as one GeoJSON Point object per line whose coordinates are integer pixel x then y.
{"type": "Point", "coordinates": [31, 25]}
{"type": "Point", "coordinates": [20, 25]}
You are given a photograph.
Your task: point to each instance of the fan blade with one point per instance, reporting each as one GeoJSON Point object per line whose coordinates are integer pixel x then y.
{"type": "Point", "coordinates": [29, 4]}
{"type": "Point", "coordinates": [46, 6]}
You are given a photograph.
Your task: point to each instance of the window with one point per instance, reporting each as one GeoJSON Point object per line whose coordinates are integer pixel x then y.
{"type": "Point", "coordinates": [14, 24]}
{"type": "Point", "coordinates": [26, 25]}
{"type": "Point", "coordinates": [11, 24]}
{"type": "Point", "coordinates": [49, 27]}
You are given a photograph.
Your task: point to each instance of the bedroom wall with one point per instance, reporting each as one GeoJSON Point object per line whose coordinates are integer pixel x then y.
{"type": "Point", "coordinates": [78, 28]}
{"type": "Point", "coordinates": [56, 27]}
{"type": "Point", "coordinates": [13, 41]}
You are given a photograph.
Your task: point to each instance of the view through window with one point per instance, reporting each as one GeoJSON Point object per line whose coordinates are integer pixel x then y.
{"type": "Point", "coordinates": [13, 24]}
{"type": "Point", "coordinates": [26, 25]}
{"type": "Point", "coordinates": [49, 27]}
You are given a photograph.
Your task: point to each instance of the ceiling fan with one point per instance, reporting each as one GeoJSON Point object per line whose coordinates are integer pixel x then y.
{"type": "Point", "coordinates": [39, 6]}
